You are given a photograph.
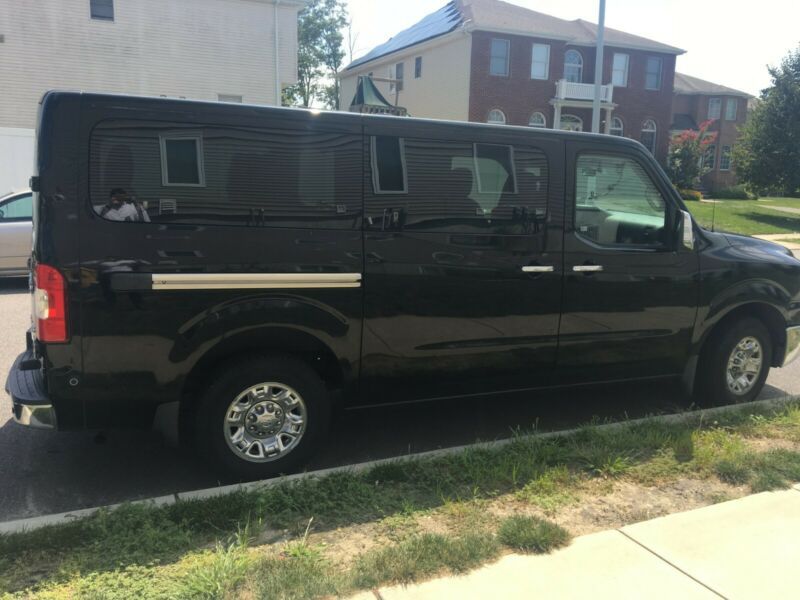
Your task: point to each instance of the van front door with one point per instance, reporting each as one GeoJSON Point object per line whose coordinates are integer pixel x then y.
{"type": "Point", "coordinates": [462, 261]}
{"type": "Point", "coordinates": [630, 289]}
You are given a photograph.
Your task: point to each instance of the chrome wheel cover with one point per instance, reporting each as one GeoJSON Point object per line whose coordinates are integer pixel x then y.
{"type": "Point", "coordinates": [265, 422]}
{"type": "Point", "coordinates": [744, 366]}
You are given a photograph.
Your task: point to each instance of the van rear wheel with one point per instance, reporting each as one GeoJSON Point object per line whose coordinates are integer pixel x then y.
{"type": "Point", "coordinates": [734, 365]}
{"type": "Point", "coordinates": [262, 417]}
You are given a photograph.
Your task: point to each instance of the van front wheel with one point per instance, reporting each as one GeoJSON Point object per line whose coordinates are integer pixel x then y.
{"type": "Point", "coordinates": [262, 417]}
{"type": "Point", "coordinates": [734, 365]}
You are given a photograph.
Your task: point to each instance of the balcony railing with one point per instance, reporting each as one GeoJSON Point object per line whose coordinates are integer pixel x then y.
{"type": "Point", "coordinates": [568, 90]}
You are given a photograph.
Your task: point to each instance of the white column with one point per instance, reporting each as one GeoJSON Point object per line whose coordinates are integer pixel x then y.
{"type": "Point", "coordinates": [557, 116]}
{"type": "Point", "coordinates": [607, 128]}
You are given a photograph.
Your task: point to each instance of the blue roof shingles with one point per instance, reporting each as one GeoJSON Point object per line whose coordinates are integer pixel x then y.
{"type": "Point", "coordinates": [443, 21]}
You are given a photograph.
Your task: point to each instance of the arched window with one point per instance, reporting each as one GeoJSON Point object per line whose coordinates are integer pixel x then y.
{"type": "Point", "coordinates": [616, 127]}
{"type": "Point", "coordinates": [649, 135]}
{"type": "Point", "coordinates": [571, 123]}
{"type": "Point", "coordinates": [496, 116]}
{"type": "Point", "coordinates": [538, 120]}
{"type": "Point", "coordinates": [573, 66]}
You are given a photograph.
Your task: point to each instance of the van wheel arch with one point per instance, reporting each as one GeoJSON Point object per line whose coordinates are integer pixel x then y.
{"type": "Point", "coordinates": [771, 318]}
{"type": "Point", "coordinates": [266, 342]}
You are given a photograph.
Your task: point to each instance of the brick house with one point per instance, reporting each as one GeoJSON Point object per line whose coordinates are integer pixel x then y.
{"type": "Point", "coordinates": [696, 101]}
{"type": "Point", "coordinates": [491, 61]}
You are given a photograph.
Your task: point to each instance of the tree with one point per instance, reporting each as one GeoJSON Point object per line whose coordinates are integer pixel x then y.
{"type": "Point", "coordinates": [767, 156]}
{"type": "Point", "coordinates": [687, 150]}
{"type": "Point", "coordinates": [320, 54]}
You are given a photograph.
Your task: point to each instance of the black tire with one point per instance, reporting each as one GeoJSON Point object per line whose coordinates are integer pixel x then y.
{"type": "Point", "coordinates": [712, 379]}
{"type": "Point", "coordinates": [234, 378]}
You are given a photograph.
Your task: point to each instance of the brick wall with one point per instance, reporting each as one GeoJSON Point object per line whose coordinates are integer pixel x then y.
{"type": "Point", "coordinates": [519, 96]}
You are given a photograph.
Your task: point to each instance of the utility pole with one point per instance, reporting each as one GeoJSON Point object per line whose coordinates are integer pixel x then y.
{"type": "Point", "coordinates": [598, 68]}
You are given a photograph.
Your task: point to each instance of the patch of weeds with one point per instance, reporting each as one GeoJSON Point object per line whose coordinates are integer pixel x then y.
{"type": "Point", "coordinates": [532, 534]}
{"type": "Point", "coordinates": [466, 515]}
{"type": "Point", "coordinates": [131, 582]}
{"type": "Point", "coordinates": [551, 490]}
{"type": "Point", "coordinates": [662, 466]}
{"type": "Point", "coordinates": [423, 556]}
{"type": "Point", "coordinates": [719, 497]}
{"type": "Point", "coordinates": [734, 471]}
{"type": "Point", "coordinates": [608, 466]}
{"type": "Point", "coordinates": [775, 469]}
{"type": "Point", "coordinates": [299, 578]}
{"type": "Point", "coordinates": [218, 575]}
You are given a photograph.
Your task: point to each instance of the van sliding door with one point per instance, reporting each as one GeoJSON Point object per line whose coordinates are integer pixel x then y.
{"type": "Point", "coordinates": [463, 261]}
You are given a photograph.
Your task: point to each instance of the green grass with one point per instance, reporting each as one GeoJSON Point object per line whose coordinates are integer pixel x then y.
{"type": "Point", "coordinates": [747, 217]}
{"type": "Point", "coordinates": [206, 547]}
{"type": "Point", "coordinates": [531, 534]}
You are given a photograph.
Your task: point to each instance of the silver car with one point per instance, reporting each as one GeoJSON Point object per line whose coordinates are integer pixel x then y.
{"type": "Point", "coordinates": [16, 217]}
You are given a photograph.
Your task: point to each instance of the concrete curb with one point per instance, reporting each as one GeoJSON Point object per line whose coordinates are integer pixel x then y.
{"type": "Point", "coordinates": [33, 523]}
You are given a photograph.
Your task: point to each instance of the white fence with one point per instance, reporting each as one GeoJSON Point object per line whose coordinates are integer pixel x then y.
{"type": "Point", "coordinates": [16, 158]}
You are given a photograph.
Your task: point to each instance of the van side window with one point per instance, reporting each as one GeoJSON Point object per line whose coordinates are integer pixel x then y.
{"type": "Point", "coordinates": [461, 186]}
{"type": "Point", "coordinates": [182, 160]}
{"type": "Point", "coordinates": [388, 165]}
{"type": "Point", "coordinates": [617, 204]}
{"type": "Point", "coordinates": [494, 165]}
{"type": "Point", "coordinates": [241, 176]}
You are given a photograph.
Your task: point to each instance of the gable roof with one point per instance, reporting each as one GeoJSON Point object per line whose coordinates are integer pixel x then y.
{"type": "Point", "coordinates": [688, 85]}
{"type": "Point", "coordinates": [496, 15]}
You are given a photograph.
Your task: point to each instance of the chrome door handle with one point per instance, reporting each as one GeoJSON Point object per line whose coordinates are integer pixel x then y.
{"type": "Point", "coordinates": [587, 268]}
{"type": "Point", "coordinates": [538, 269]}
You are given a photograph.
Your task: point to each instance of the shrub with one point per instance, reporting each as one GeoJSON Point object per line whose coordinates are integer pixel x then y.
{"type": "Point", "coordinates": [737, 192]}
{"type": "Point", "coordinates": [691, 195]}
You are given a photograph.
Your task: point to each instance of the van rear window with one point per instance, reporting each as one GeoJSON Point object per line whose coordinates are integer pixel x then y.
{"type": "Point", "coordinates": [148, 172]}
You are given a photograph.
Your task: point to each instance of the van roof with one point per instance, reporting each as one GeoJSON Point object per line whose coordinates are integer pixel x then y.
{"type": "Point", "coordinates": [132, 101]}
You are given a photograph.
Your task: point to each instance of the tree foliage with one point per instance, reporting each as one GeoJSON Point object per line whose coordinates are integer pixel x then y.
{"type": "Point", "coordinates": [767, 156]}
{"type": "Point", "coordinates": [685, 162]}
{"type": "Point", "coordinates": [320, 54]}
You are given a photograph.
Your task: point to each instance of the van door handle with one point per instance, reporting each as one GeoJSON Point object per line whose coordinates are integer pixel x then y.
{"type": "Point", "coordinates": [587, 268]}
{"type": "Point", "coordinates": [538, 269]}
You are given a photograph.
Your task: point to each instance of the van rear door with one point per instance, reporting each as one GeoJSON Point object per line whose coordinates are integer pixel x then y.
{"type": "Point", "coordinates": [463, 251]}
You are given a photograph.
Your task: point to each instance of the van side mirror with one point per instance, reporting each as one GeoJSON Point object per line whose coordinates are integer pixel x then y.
{"type": "Point", "coordinates": [687, 230]}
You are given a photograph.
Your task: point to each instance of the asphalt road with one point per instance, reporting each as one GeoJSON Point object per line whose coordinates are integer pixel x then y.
{"type": "Point", "coordinates": [44, 472]}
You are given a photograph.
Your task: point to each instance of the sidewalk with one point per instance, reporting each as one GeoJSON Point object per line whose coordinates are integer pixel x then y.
{"type": "Point", "coordinates": [746, 548]}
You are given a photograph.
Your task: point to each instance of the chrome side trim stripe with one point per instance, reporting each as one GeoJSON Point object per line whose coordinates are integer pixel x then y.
{"type": "Point", "coordinates": [538, 269]}
{"type": "Point", "coordinates": [261, 281]}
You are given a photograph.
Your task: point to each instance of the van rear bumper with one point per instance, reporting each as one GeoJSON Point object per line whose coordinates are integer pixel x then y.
{"type": "Point", "coordinates": [30, 404]}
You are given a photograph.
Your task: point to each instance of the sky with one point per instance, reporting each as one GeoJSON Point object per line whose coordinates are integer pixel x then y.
{"type": "Point", "coordinates": [729, 42]}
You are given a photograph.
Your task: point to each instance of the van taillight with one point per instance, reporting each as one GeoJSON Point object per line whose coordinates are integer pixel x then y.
{"type": "Point", "coordinates": [50, 304]}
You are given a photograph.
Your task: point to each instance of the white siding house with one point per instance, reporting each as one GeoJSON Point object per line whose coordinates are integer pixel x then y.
{"type": "Point", "coordinates": [199, 49]}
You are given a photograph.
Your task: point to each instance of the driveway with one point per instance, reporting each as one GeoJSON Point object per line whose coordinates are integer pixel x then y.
{"type": "Point", "coordinates": [44, 472]}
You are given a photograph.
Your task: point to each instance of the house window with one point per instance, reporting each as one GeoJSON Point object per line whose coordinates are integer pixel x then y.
{"type": "Point", "coordinates": [731, 105]}
{"type": "Point", "coordinates": [182, 161]}
{"type": "Point", "coordinates": [398, 75]}
{"type": "Point", "coordinates": [714, 108]}
{"type": "Point", "coordinates": [710, 157]}
{"type": "Point", "coordinates": [648, 138]}
{"type": "Point", "coordinates": [571, 123]}
{"type": "Point", "coordinates": [540, 61]}
{"type": "Point", "coordinates": [619, 73]}
{"type": "Point", "coordinates": [616, 127]}
{"type": "Point", "coordinates": [233, 98]}
{"type": "Point", "coordinates": [652, 80]}
{"type": "Point", "coordinates": [573, 66]}
{"type": "Point", "coordinates": [725, 159]}
{"type": "Point", "coordinates": [102, 9]}
{"type": "Point", "coordinates": [499, 58]}
{"type": "Point", "coordinates": [418, 67]}
{"type": "Point", "coordinates": [537, 120]}
{"type": "Point", "coordinates": [389, 165]}
{"type": "Point", "coordinates": [496, 116]}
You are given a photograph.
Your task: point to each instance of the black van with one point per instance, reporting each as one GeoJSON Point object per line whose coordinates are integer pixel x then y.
{"type": "Point", "coordinates": [250, 265]}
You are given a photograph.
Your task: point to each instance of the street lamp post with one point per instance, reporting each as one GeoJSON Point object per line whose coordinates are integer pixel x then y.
{"type": "Point", "coordinates": [598, 68]}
